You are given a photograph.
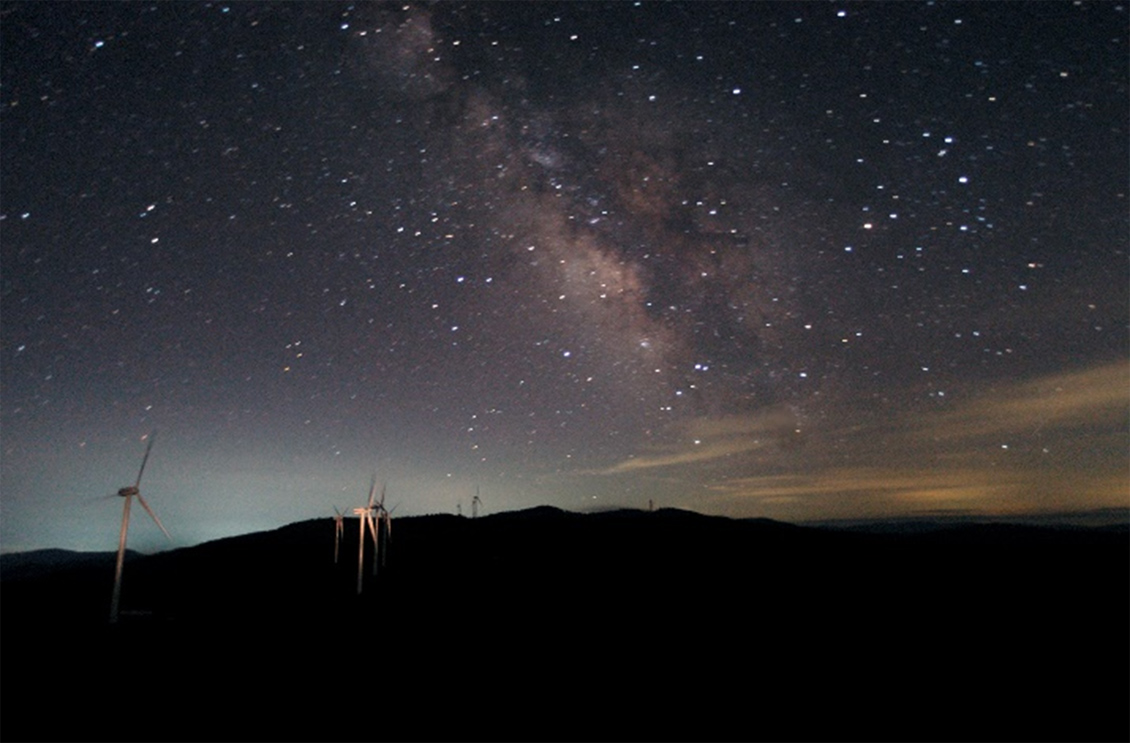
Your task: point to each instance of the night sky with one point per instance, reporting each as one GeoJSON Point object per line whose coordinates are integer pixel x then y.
{"type": "Point", "coordinates": [803, 261]}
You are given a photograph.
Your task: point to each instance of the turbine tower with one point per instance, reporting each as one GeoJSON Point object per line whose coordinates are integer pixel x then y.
{"type": "Point", "coordinates": [387, 521]}
{"type": "Point", "coordinates": [128, 493]}
{"type": "Point", "coordinates": [365, 518]}
{"type": "Point", "coordinates": [339, 532]}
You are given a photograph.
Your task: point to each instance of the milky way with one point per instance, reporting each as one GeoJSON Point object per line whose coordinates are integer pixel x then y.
{"type": "Point", "coordinates": [637, 243]}
{"type": "Point", "coordinates": [803, 261]}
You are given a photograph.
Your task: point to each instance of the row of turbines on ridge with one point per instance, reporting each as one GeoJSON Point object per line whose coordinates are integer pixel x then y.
{"type": "Point", "coordinates": [373, 517]}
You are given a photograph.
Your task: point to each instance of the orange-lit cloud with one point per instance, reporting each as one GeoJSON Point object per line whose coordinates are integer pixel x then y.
{"type": "Point", "coordinates": [1096, 396]}
{"type": "Point", "coordinates": [1054, 443]}
{"type": "Point", "coordinates": [877, 492]}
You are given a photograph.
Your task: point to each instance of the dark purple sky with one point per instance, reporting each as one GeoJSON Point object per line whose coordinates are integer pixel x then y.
{"type": "Point", "coordinates": [795, 260]}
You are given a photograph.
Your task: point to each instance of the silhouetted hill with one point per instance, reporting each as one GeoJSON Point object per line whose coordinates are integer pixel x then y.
{"type": "Point", "coordinates": [545, 625]}
{"type": "Point", "coordinates": [37, 563]}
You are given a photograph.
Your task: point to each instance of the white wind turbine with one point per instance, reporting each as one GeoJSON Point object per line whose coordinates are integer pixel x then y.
{"type": "Point", "coordinates": [365, 517]}
{"type": "Point", "coordinates": [475, 503]}
{"type": "Point", "coordinates": [128, 493]}
{"type": "Point", "coordinates": [339, 532]}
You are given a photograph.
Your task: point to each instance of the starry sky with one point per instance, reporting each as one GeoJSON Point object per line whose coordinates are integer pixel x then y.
{"type": "Point", "coordinates": [804, 261]}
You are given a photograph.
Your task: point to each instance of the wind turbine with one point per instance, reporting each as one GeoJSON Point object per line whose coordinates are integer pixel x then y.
{"type": "Point", "coordinates": [384, 530]}
{"type": "Point", "coordinates": [339, 532]}
{"type": "Point", "coordinates": [475, 503]}
{"type": "Point", "coordinates": [365, 514]}
{"type": "Point", "coordinates": [375, 526]}
{"type": "Point", "coordinates": [128, 493]}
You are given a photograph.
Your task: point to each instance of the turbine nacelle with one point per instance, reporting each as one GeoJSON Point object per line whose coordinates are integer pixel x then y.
{"type": "Point", "coordinates": [128, 491]}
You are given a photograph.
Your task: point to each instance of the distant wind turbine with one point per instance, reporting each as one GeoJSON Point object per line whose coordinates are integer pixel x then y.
{"type": "Point", "coordinates": [374, 520]}
{"type": "Point", "coordinates": [365, 517]}
{"type": "Point", "coordinates": [384, 530]}
{"type": "Point", "coordinates": [475, 503]}
{"type": "Point", "coordinates": [128, 493]}
{"type": "Point", "coordinates": [379, 522]}
{"type": "Point", "coordinates": [339, 532]}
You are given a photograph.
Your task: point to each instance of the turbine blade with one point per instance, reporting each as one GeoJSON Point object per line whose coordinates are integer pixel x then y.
{"type": "Point", "coordinates": [156, 520]}
{"type": "Point", "coordinates": [384, 486]}
{"type": "Point", "coordinates": [372, 489]}
{"type": "Point", "coordinates": [145, 459]}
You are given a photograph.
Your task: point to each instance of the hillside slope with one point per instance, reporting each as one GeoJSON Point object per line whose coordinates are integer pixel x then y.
{"type": "Point", "coordinates": [544, 624]}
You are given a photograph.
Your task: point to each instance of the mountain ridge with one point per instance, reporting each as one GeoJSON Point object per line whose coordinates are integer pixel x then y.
{"type": "Point", "coordinates": [724, 628]}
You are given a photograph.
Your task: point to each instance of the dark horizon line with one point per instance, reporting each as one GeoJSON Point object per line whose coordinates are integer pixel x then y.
{"type": "Point", "coordinates": [1113, 516]}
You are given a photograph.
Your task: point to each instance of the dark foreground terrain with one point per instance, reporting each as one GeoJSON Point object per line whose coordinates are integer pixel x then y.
{"type": "Point", "coordinates": [541, 625]}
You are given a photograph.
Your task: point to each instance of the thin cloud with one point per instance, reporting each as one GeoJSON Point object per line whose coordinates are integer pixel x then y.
{"type": "Point", "coordinates": [708, 439]}
{"type": "Point", "coordinates": [1057, 442]}
{"type": "Point", "coordinates": [875, 491]}
{"type": "Point", "coordinates": [905, 484]}
{"type": "Point", "coordinates": [1096, 396]}
{"type": "Point", "coordinates": [701, 453]}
